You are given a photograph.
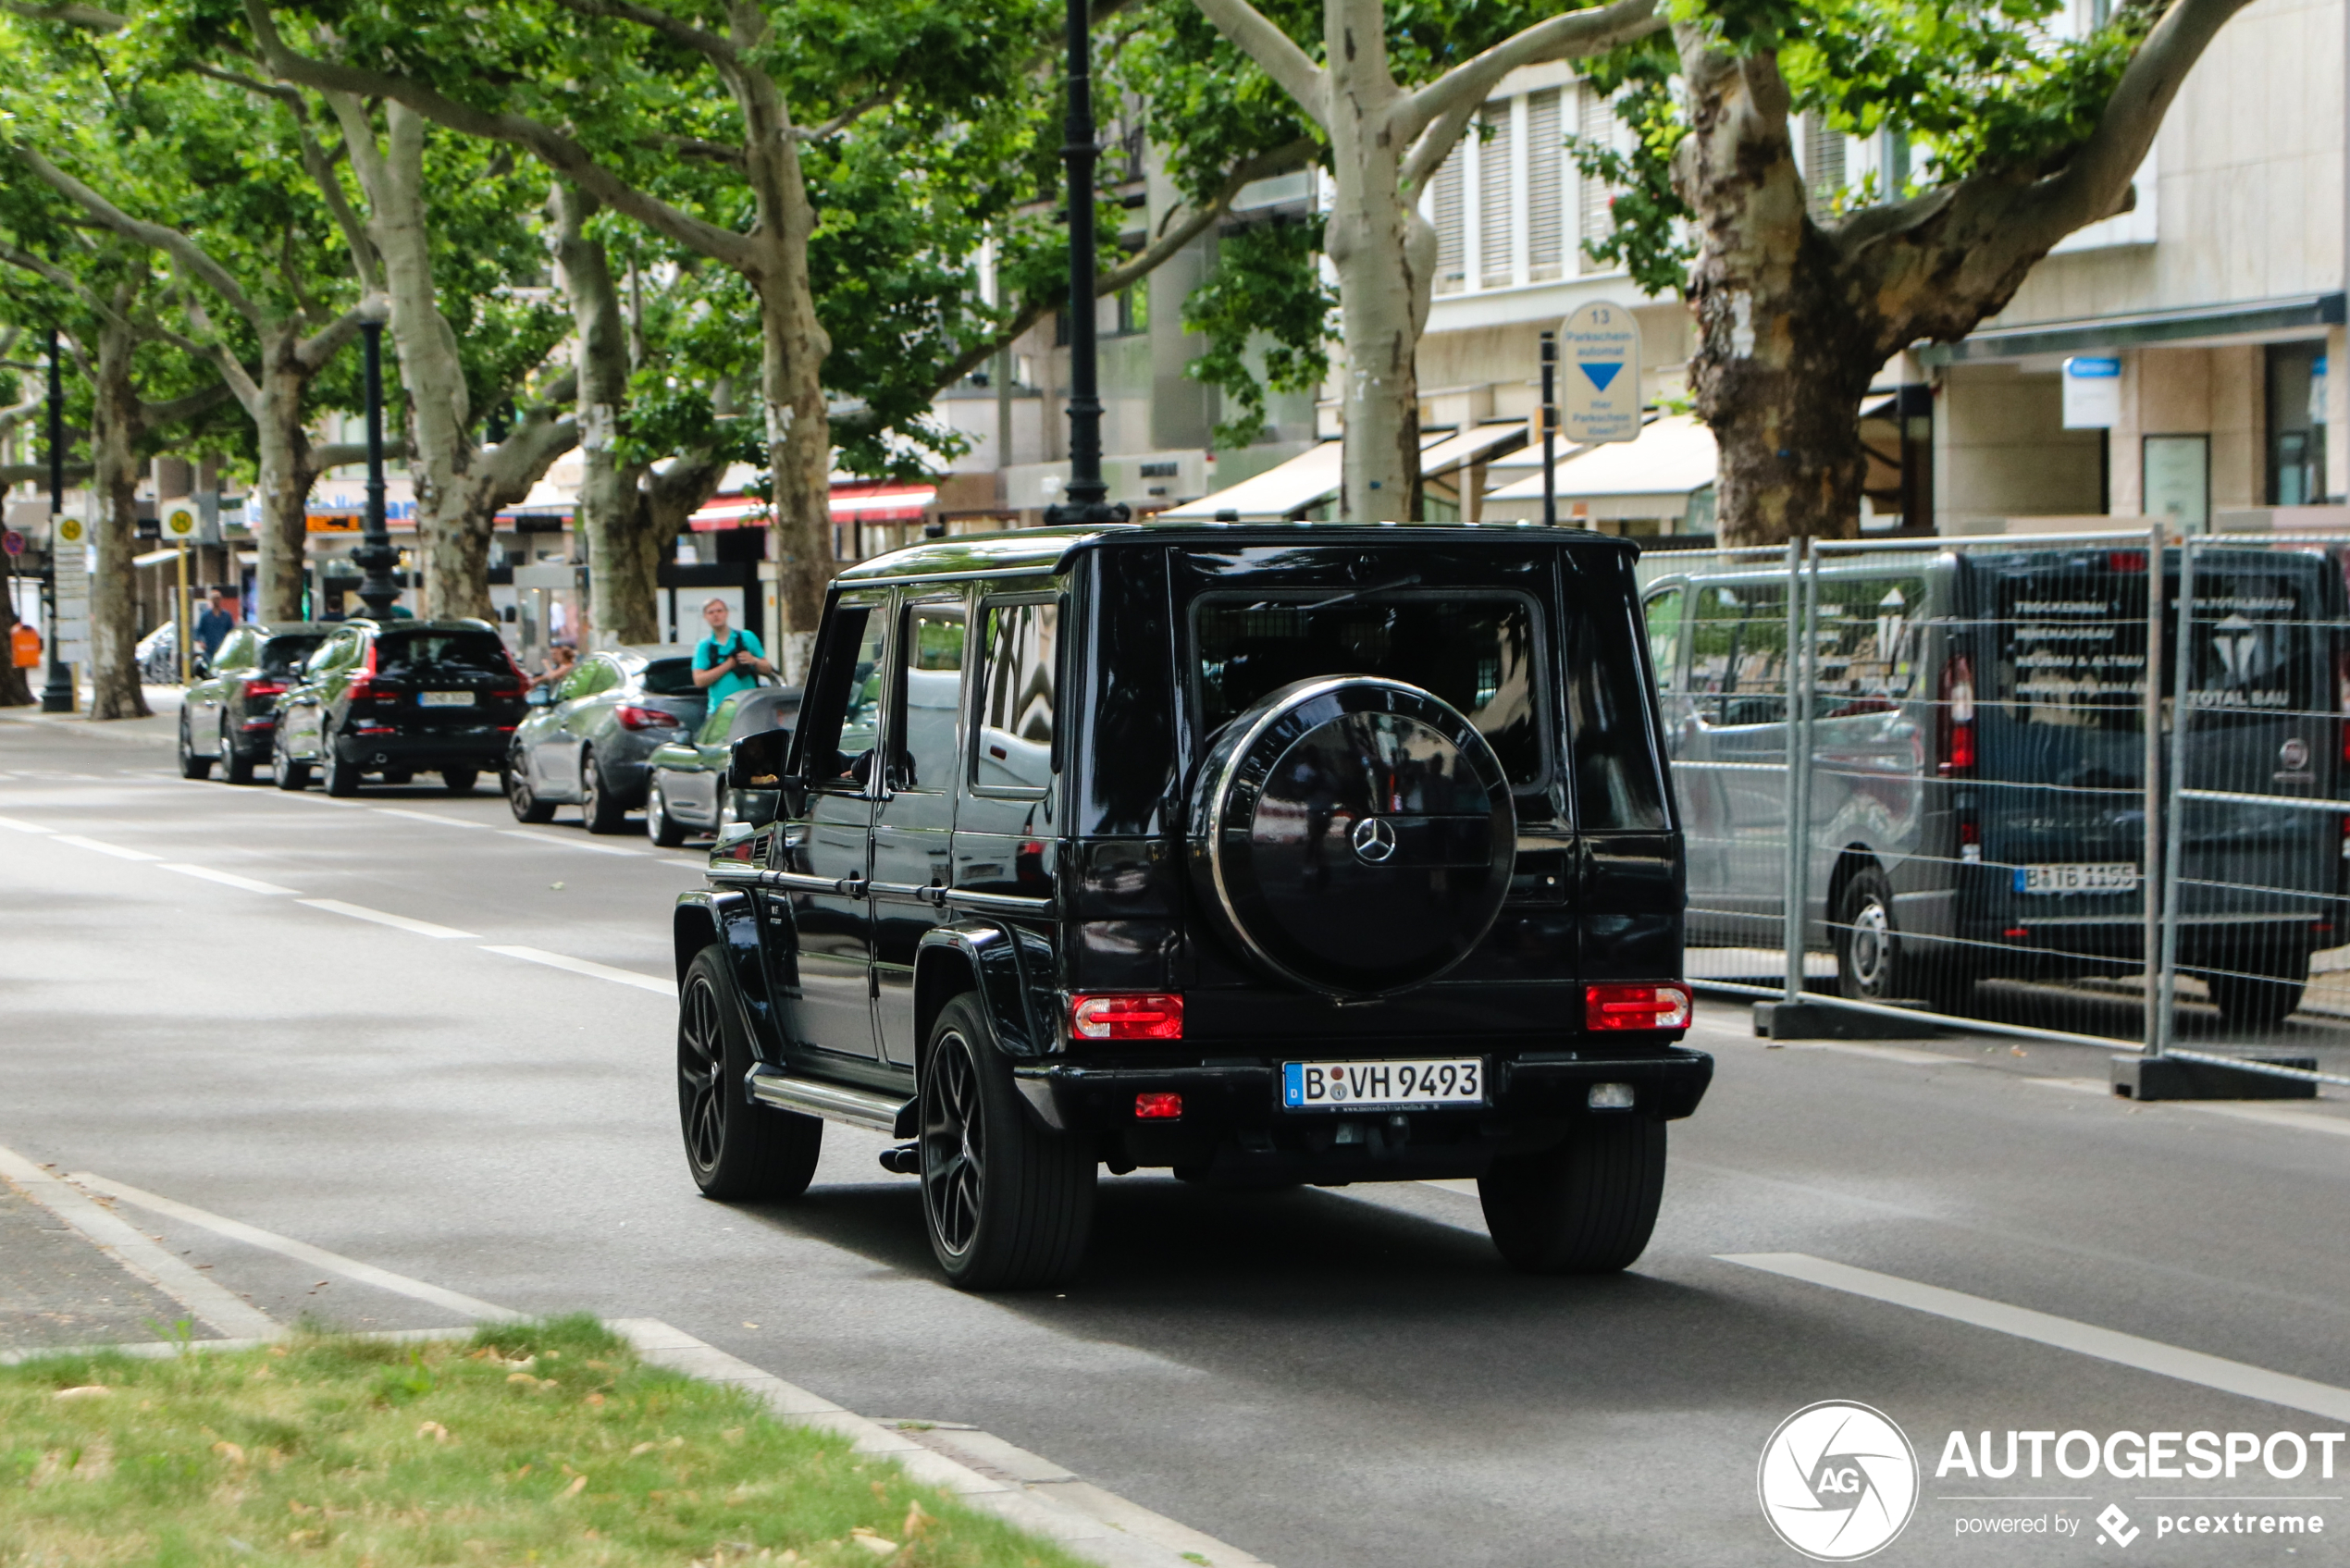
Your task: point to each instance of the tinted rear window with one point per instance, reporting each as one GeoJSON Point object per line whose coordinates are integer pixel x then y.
{"type": "Point", "coordinates": [670, 677]}
{"type": "Point", "coordinates": [419, 653]}
{"type": "Point", "coordinates": [283, 655]}
{"type": "Point", "coordinates": [1475, 651]}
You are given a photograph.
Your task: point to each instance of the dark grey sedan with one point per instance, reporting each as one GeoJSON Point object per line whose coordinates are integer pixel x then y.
{"type": "Point", "coordinates": [586, 739]}
{"type": "Point", "coordinates": [688, 793]}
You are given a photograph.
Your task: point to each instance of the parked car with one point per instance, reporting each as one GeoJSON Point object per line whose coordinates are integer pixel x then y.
{"type": "Point", "coordinates": [1978, 766]}
{"type": "Point", "coordinates": [688, 793]}
{"type": "Point", "coordinates": [231, 716]}
{"type": "Point", "coordinates": [396, 698]}
{"type": "Point", "coordinates": [1264, 854]}
{"type": "Point", "coordinates": [587, 739]}
{"type": "Point", "coordinates": [158, 655]}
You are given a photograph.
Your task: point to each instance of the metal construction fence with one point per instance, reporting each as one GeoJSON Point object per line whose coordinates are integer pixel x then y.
{"type": "Point", "coordinates": [2021, 802]}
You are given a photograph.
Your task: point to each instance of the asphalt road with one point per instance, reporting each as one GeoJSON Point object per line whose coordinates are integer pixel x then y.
{"type": "Point", "coordinates": [199, 999]}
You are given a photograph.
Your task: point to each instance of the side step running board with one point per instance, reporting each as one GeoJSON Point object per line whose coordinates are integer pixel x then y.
{"type": "Point", "coordinates": [835, 1102]}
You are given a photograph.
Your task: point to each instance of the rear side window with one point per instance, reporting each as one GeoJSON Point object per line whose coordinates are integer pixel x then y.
{"type": "Point", "coordinates": [1619, 777]}
{"type": "Point", "coordinates": [1475, 651]}
{"type": "Point", "coordinates": [670, 677]}
{"type": "Point", "coordinates": [1737, 654]}
{"type": "Point", "coordinates": [1020, 700]}
{"type": "Point", "coordinates": [931, 688]}
{"type": "Point", "coordinates": [1864, 657]}
{"type": "Point", "coordinates": [441, 653]}
{"type": "Point", "coordinates": [1665, 636]}
{"type": "Point", "coordinates": [283, 655]}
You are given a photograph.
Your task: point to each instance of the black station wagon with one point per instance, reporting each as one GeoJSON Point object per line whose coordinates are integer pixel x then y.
{"type": "Point", "coordinates": [1268, 854]}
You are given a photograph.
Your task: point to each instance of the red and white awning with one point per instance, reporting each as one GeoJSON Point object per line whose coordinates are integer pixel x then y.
{"type": "Point", "coordinates": [850, 503]}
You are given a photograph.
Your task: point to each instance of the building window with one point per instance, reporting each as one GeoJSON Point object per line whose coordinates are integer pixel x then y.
{"type": "Point", "coordinates": [1134, 308]}
{"type": "Point", "coordinates": [1545, 186]}
{"type": "Point", "coordinates": [1823, 166]}
{"type": "Point", "coordinates": [1594, 222]}
{"type": "Point", "coordinates": [2296, 424]}
{"type": "Point", "coordinates": [1451, 271]}
{"type": "Point", "coordinates": [1496, 213]}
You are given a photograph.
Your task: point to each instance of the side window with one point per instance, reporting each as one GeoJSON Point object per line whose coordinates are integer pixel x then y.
{"type": "Point", "coordinates": [713, 729]}
{"type": "Point", "coordinates": [1865, 660]}
{"type": "Point", "coordinates": [335, 653]}
{"type": "Point", "coordinates": [1737, 654]}
{"type": "Point", "coordinates": [584, 680]}
{"type": "Point", "coordinates": [1019, 692]}
{"type": "Point", "coordinates": [930, 695]}
{"type": "Point", "coordinates": [1664, 637]}
{"type": "Point", "coordinates": [841, 719]}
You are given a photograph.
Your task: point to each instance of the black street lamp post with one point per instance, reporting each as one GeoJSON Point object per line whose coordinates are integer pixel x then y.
{"type": "Point", "coordinates": [1086, 505]}
{"type": "Point", "coordinates": [56, 693]}
{"type": "Point", "coordinates": [1549, 426]}
{"type": "Point", "coordinates": [378, 591]}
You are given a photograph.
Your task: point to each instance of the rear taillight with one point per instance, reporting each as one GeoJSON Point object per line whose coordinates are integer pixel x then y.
{"type": "Point", "coordinates": [1133, 1016]}
{"type": "Point", "coordinates": [634, 718]}
{"type": "Point", "coordinates": [1636, 1006]}
{"type": "Point", "coordinates": [265, 688]}
{"type": "Point", "coordinates": [1958, 716]}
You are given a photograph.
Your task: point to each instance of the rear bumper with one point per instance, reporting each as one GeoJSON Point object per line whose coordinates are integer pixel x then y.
{"type": "Point", "coordinates": [483, 748]}
{"type": "Point", "coordinates": [1233, 1126]}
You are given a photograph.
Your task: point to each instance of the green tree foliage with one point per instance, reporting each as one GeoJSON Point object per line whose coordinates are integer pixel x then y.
{"type": "Point", "coordinates": [1265, 314]}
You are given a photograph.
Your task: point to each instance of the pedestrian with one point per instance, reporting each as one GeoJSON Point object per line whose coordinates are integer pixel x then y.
{"type": "Point", "coordinates": [729, 660]}
{"type": "Point", "coordinates": [557, 664]}
{"type": "Point", "coordinates": [219, 618]}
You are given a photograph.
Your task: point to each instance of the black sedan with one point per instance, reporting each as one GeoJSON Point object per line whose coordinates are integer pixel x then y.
{"type": "Point", "coordinates": [399, 698]}
{"type": "Point", "coordinates": [230, 717]}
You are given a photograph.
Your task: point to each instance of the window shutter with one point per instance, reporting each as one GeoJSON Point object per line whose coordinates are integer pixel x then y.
{"type": "Point", "coordinates": [1545, 211]}
{"type": "Point", "coordinates": [1823, 166]}
{"type": "Point", "coordinates": [1449, 271]}
{"type": "Point", "coordinates": [1598, 125]}
{"type": "Point", "coordinates": [1496, 214]}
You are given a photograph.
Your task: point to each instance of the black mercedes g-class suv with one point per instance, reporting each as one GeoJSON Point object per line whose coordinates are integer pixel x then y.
{"type": "Point", "coordinates": [1271, 854]}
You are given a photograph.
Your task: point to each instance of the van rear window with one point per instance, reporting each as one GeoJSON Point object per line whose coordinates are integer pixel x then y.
{"type": "Point", "coordinates": [1476, 651]}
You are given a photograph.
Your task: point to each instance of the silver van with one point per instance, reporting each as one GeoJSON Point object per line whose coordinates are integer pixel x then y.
{"type": "Point", "coordinates": [1977, 797]}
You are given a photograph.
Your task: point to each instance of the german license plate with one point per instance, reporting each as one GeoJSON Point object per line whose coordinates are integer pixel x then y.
{"type": "Point", "coordinates": [2120, 876]}
{"type": "Point", "coordinates": [446, 698]}
{"type": "Point", "coordinates": [1382, 1086]}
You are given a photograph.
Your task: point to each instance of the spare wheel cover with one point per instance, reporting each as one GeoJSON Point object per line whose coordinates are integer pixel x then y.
{"type": "Point", "coordinates": [1354, 835]}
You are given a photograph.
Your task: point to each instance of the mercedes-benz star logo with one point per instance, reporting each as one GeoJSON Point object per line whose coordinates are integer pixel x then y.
{"type": "Point", "coordinates": [1374, 840]}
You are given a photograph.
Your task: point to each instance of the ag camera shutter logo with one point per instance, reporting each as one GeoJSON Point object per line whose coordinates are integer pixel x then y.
{"type": "Point", "coordinates": [1839, 1481]}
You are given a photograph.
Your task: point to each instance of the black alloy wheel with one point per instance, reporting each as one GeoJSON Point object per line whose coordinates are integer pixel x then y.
{"type": "Point", "coordinates": [291, 775]}
{"type": "Point", "coordinates": [1587, 1205]}
{"type": "Point", "coordinates": [1008, 1205]}
{"type": "Point", "coordinates": [600, 806]}
{"type": "Point", "coordinates": [191, 765]}
{"type": "Point", "coordinates": [459, 781]}
{"type": "Point", "coordinates": [343, 776]}
{"type": "Point", "coordinates": [235, 765]}
{"type": "Point", "coordinates": [735, 1147]}
{"type": "Point", "coordinates": [663, 829]}
{"type": "Point", "coordinates": [522, 799]}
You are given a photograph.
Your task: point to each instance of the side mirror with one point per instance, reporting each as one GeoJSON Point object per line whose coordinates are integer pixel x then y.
{"type": "Point", "coordinates": [757, 761]}
{"type": "Point", "coordinates": [539, 696]}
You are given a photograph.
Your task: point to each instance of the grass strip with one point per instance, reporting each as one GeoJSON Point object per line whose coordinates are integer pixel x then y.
{"type": "Point", "coordinates": [530, 1444]}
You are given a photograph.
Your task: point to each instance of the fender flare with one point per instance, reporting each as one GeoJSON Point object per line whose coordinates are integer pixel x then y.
{"type": "Point", "coordinates": [1010, 970]}
{"type": "Point", "coordinates": [726, 918]}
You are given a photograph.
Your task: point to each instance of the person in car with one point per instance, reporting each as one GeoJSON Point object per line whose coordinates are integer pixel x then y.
{"type": "Point", "coordinates": [729, 660]}
{"type": "Point", "coordinates": [559, 660]}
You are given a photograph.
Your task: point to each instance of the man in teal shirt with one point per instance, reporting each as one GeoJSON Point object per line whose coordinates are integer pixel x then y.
{"type": "Point", "coordinates": [728, 660]}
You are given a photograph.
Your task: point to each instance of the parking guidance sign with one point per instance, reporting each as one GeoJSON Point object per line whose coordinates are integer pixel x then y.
{"type": "Point", "coordinates": [1599, 374]}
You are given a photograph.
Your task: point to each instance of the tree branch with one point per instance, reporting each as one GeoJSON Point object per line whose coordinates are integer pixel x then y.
{"type": "Point", "coordinates": [1435, 144]}
{"type": "Point", "coordinates": [559, 152]}
{"type": "Point", "coordinates": [15, 474]}
{"type": "Point", "coordinates": [184, 251]}
{"type": "Point", "coordinates": [232, 370]}
{"type": "Point", "coordinates": [1275, 52]}
{"type": "Point", "coordinates": [694, 147]}
{"type": "Point", "coordinates": [90, 17]}
{"type": "Point", "coordinates": [343, 454]}
{"type": "Point", "coordinates": [1559, 38]}
{"type": "Point", "coordinates": [67, 282]}
{"type": "Point", "coordinates": [849, 115]}
{"type": "Point", "coordinates": [173, 411]}
{"type": "Point", "coordinates": [675, 30]}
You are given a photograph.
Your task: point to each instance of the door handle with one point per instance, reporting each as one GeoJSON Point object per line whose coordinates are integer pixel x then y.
{"type": "Point", "coordinates": [851, 885]}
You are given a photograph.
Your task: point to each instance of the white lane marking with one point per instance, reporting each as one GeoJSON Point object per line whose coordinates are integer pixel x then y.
{"type": "Point", "coordinates": [551, 843]}
{"type": "Point", "coordinates": [429, 817]}
{"type": "Point", "coordinates": [582, 966]}
{"type": "Point", "coordinates": [381, 917]}
{"type": "Point", "coordinates": [21, 826]}
{"type": "Point", "coordinates": [115, 1236]}
{"type": "Point", "coordinates": [286, 1246]}
{"type": "Point", "coordinates": [227, 879]}
{"type": "Point", "coordinates": [117, 850]}
{"type": "Point", "coordinates": [2064, 1333]}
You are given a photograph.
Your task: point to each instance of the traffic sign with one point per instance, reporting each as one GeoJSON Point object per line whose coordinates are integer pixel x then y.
{"type": "Point", "coordinates": [71, 530]}
{"type": "Point", "coordinates": [13, 542]}
{"type": "Point", "coordinates": [180, 521]}
{"type": "Point", "coordinates": [1600, 355]}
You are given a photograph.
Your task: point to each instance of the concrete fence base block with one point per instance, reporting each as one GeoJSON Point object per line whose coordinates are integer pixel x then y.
{"type": "Point", "coordinates": [1825, 1021]}
{"type": "Point", "coordinates": [2166, 1077]}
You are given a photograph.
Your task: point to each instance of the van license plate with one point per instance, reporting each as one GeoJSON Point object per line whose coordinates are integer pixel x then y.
{"type": "Point", "coordinates": [2118, 877]}
{"type": "Point", "coordinates": [1382, 1086]}
{"type": "Point", "coordinates": [446, 698]}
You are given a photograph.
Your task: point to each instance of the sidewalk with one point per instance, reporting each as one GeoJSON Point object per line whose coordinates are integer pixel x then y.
{"type": "Point", "coordinates": [57, 1289]}
{"type": "Point", "coordinates": [161, 727]}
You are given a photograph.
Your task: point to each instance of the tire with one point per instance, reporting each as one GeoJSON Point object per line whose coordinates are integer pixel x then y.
{"type": "Point", "coordinates": [736, 1148]}
{"type": "Point", "coordinates": [2265, 997]}
{"type": "Point", "coordinates": [1876, 963]}
{"type": "Point", "coordinates": [459, 781]}
{"type": "Point", "coordinates": [601, 809]}
{"type": "Point", "coordinates": [342, 778]}
{"type": "Point", "coordinates": [291, 775]}
{"type": "Point", "coordinates": [191, 765]}
{"type": "Point", "coordinates": [522, 799]}
{"type": "Point", "coordinates": [663, 829]}
{"type": "Point", "coordinates": [1587, 1206]}
{"type": "Point", "coordinates": [1007, 1205]}
{"type": "Point", "coordinates": [235, 765]}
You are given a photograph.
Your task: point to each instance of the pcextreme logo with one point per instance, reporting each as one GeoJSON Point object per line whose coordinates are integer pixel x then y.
{"type": "Point", "coordinates": [1839, 1481]}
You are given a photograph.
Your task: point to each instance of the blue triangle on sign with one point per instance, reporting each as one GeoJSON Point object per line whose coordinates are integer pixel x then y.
{"type": "Point", "coordinates": [1602, 375]}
